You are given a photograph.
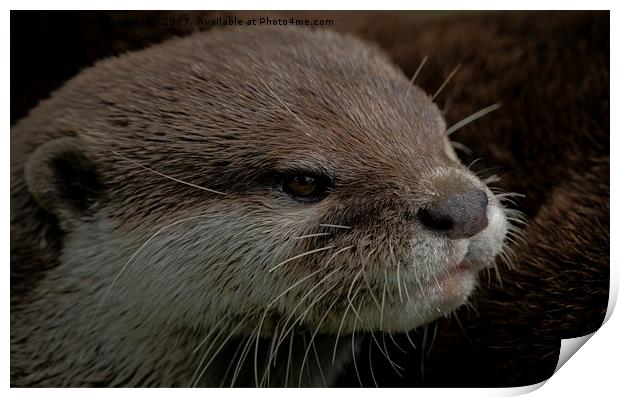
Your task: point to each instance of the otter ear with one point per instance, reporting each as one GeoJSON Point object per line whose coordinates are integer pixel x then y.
{"type": "Point", "coordinates": [62, 178]}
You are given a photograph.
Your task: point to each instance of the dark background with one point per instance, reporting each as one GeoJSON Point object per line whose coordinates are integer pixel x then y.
{"type": "Point", "coordinates": [549, 141]}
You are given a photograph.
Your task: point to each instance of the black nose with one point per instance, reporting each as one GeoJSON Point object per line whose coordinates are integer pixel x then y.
{"type": "Point", "coordinates": [459, 215]}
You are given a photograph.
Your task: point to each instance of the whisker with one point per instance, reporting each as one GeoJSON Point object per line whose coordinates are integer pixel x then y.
{"type": "Point", "coordinates": [458, 321]}
{"type": "Point", "coordinates": [518, 235]}
{"type": "Point", "coordinates": [406, 290]}
{"type": "Point", "coordinates": [260, 327]}
{"type": "Point", "coordinates": [393, 364]}
{"type": "Point", "coordinates": [437, 283]}
{"type": "Point", "coordinates": [372, 372]}
{"type": "Point", "coordinates": [473, 117]}
{"type": "Point", "coordinates": [382, 305]}
{"type": "Point", "coordinates": [469, 166]}
{"type": "Point", "coordinates": [410, 341]}
{"type": "Point", "coordinates": [351, 288]}
{"type": "Point", "coordinates": [358, 317]}
{"type": "Point", "coordinates": [353, 350]}
{"type": "Point", "coordinates": [318, 363]}
{"type": "Point", "coordinates": [301, 255]}
{"type": "Point", "coordinates": [283, 103]}
{"type": "Point", "coordinates": [312, 235]}
{"type": "Point", "coordinates": [446, 81]}
{"type": "Point", "coordinates": [169, 177]}
{"type": "Point", "coordinates": [510, 194]}
{"type": "Point", "coordinates": [334, 226]}
{"type": "Point", "coordinates": [273, 353]}
{"type": "Point", "coordinates": [288, 361]}
{"type": "Point", "coordinates": [430, 347]}
{"type": "Point", "coordinates": [338, 334]}
{"type": "Point", "coordinates": [314, 335]}
{"type": "Point", "coordinates": [385, 278]}
{"type": "Point", "coordinates": [461, 147]}
{"type": "Point", "coordinates": [417, 279]}
{"type": "Point", "coordinates": [195, 376]}
{"type": "Point", "coordinates": [415, 75]}
{"type": "Point", "coordinates": [307, 276]}
{"type": "Point", "coordinates": [346, 311]}
{"type": "Point", "coordinates": [423, 350]}
{"type": "Point", "coordinates": [232, 359]}
{"type": "Point", "coordinates": [481, 173]}
{"type": "Point", "coordinates": [382, 310]}
{"type": "Point", "coordinates": [492, 179]}
{"type": "Point", "coordinates": [303, 314]}
{"type": "Point", "coordinates": [307, 294]}
{"type": "Point", "coordinates": [218, 351]}
{"type": "Point", "coordinates": [292, 287]}
{"type": "Point", "coordinates": [396, 344]}
{"type": "Point", "coordinates": [214, 328]}
{"type": "Point", "coordinates": [244, 354]}
{"type": "Point", "coordinates": [372, 294]}
{"type": "Point", "coordinates": [499, 277]}
{"type": "Point", "coordinates": [400, 293]}
{"type": "Point", "coordinates": [303, 336]}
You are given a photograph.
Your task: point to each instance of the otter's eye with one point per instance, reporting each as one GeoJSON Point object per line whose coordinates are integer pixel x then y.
{"type": "Point", "coordinates": [306, 188]}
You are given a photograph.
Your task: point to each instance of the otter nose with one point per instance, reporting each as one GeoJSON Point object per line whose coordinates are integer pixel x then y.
{"type": "Point", "coordinates": [458, 215]}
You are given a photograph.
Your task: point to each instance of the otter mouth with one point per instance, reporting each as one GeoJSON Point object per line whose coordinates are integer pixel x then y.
{"type": "Point", "coordinates": [456, 270]}
{"type": "Point", "coordinates": [419, 302]}
{"type": "Point", "coordinates": [400, 303]}
{"type": "Point", "coordinates": [449, 281]}
{"type": "Point", "coordinates": [395, 297]}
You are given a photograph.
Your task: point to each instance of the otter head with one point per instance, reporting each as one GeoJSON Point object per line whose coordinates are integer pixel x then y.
{"type": "Point", "coordinates": [266, 180]}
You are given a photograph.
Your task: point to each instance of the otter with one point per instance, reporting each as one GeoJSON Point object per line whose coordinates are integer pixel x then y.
{"type": "Point", "coordinates": [235, 208]}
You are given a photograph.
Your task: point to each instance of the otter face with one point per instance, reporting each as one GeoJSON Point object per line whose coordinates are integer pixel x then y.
{"type": "Point", "coordinates": [272, 180]}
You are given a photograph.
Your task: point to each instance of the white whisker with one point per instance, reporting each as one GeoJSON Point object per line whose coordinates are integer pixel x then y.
{"type": "Point", "coordinates": [283, 103]}
{"type": "Point", "coordinates": [209, 335]}
{"type": "Point", "coordinates": [301, 255]}
{"type": "Point", "coordinates": [312, 235]}
{"type": "Point", "coordinates": [415, 75]}
{"type": "Point", "coordinates": [446, 81]}
{"type": "Point", "coordinates": [461, 147]}
{"type": "Point", "coordinates": [372, 372]}
{"type": "Point", "coordinates": [230, 365]}
{"type": "Point", "coordinates": [313, 336]}
{"type": "Point", "coordinates": [169, 177]}
{"type": "Point", "coordinates": [310, 306]}
{"type": "Point", "coordinates": [353, 350]}
{"type": "Point", "coordinates": [346, 311]}
{"type": "Point", "coordinates": [318, 363]}
{"type": "Point", "coordinates": [244, 354]}
{"type": "Point", "coordinates": [393, 364]}
{"type": "Point", "coordinates": [230, 335]}
{"type": "Point", "coordinates": [473, 117]}
{"type": "Point", "coordinates": [288, 361]}
{"type": "Point", "coordinates": [400, 293]}
{"type": "Point", "coordinates": [334, 226]}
